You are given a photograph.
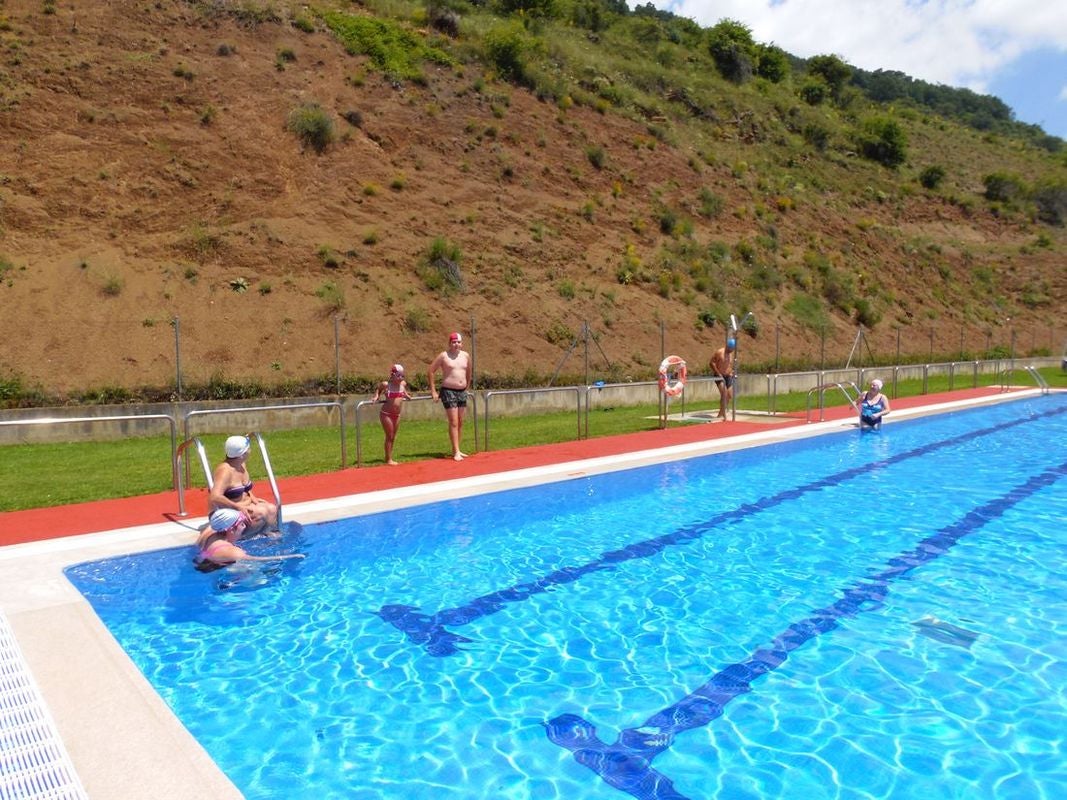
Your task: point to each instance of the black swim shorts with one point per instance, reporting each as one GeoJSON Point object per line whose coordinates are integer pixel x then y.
{"type": "Point", "coordinates": [453, 398]}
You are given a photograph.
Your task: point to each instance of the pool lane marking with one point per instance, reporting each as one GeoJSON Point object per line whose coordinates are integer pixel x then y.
{"type": "Point", "coordinates": [627, 764]}
{"type": "Point", "coordinates": [430, 631]}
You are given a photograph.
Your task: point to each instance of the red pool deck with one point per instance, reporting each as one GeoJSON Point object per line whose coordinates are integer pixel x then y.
{"type": "Point", "coordinates": [58, 521]}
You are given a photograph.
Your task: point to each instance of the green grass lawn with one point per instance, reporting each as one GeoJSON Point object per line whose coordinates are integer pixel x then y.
{"type": "Point", "coordinates": [32, 476]}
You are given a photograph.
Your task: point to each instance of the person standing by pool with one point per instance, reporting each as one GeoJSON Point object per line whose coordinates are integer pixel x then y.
{"type": "Point", "coordinates": [873, 406]}
{"type": "Point", "coordinates": [232, 488]}
{"type": "Point", "coordinates": [457, 371]}
{"type": "Point", "coordinates": [722, 364]}
{"type": "Point", "coordinates": [216, 545]}
{"type": "Point", "coordinates": [391, 393]}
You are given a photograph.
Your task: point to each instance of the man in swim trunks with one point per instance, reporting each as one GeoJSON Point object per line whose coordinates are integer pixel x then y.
{"type": "Point", "coordinates": [456, 370]}
{"type": "Point", "coordinates": [722, 364]}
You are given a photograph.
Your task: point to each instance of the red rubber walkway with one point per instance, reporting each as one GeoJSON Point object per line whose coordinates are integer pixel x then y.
{"type": "Point", "coordinates": [102, 515]}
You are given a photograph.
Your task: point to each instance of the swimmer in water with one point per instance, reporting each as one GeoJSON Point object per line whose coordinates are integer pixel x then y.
{"type": "Point", "coordinates": [216, 546]}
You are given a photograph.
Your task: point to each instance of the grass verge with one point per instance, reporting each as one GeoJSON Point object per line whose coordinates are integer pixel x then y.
{"type": "Point", "coordinates": [39, 475]}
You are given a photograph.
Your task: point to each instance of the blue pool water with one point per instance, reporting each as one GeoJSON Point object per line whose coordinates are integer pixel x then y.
{"type": "Point", "coordinates": [861, 615]}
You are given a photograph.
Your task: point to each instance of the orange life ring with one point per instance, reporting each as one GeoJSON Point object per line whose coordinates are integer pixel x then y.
{"type": "Point", "coordinates": [672, 385]}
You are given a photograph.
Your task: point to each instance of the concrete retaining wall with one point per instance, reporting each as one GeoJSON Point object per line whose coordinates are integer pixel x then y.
{"type": "Point", "coordinates": [54, 425]}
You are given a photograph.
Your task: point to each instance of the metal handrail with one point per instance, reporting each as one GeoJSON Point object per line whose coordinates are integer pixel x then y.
{"type": "Point", "coordinates": [282, 407]}
{"type": "Point", "coordinates": [577, 396]}
{"type": "Point", "coordinates": [1042, 384]}
{"type": "Point", "coordinates": [209, 478]}
{"type": "Point", "coordinates": [270, 474]}
{"type": "Point", "coordinates": [179, 472]}
{"type": "Point", "coordinates": [601, 386]}
{"type": "Point", "coordinates": [359, 424]}
{"type": "Point", "coordinates": [113, 418]}
{"type": "Point", "coordinates": [821, 389]}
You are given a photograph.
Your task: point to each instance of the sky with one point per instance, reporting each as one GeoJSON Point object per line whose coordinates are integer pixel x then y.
{"type": "Point", "coordinates": [1012, 49]}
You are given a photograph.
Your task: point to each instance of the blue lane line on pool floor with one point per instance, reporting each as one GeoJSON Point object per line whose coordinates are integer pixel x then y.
{"type": "Point", "coordinates": [627, 764]}
{"type": "Point", "coordinates": [430, 631]}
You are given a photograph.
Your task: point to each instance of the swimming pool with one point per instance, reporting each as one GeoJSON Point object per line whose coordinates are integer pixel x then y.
{"type": "Point", "coordinates": [859, 615]}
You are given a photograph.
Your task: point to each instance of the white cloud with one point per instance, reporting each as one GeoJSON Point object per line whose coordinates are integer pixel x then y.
{"type": "Point", "coordinates": [955, 42]}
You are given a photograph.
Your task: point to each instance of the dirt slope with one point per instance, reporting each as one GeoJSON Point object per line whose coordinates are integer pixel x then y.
{"type": "Point", "coordinates": [146, 174]}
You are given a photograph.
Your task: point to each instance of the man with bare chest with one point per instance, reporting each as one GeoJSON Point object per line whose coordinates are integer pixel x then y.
{"type": "Point", "coordinates": [456, 370]}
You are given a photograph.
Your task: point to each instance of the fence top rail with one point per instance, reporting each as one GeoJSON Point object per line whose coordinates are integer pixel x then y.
{"type": "Point", "coordinates": [541, 390]}
{"type": "Point", "coordinates": [203, 412]}
{"type": "Point", "coordinates": [110, 418]}
{"type": "Point", "coordinates": [362, 403]}
{"type": "Point", "coordinates": [620, 385]}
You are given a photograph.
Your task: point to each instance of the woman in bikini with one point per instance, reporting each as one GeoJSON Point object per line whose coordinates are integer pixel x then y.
{"type": "Point", "coordinates": [216, 546]}
{"type": "Point", "coordinates": [391, 393]}
{"type": "Point", "coordinates": [232, 488]}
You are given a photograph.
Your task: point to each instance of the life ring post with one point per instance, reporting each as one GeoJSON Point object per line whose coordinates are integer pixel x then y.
{"type": "Point", "coordinates": [673, 374]}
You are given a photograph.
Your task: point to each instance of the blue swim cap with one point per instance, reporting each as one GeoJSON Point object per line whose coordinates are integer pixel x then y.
{"type": "Point", "coordinates": [731, 343]}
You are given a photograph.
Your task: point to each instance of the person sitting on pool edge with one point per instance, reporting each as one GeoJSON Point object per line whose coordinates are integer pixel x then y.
{"type": "Point", "coordinates": [232, 488]}
{"type": "Point", "coordinates": [215, 546]}
{"type": "Point", "coordinates": [873, 406]}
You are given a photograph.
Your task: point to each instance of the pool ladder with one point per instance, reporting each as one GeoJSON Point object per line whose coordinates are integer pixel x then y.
{"type": "Point", "coordinates": [1039, 379]}
{"type": "Point", "coordinates": [844, 386]}
{"type": "Point", "coordinates": [195, 442]}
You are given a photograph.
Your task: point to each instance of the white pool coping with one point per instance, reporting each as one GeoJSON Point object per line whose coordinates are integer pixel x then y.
{"type": "Point", "coordinates": [124, 741]}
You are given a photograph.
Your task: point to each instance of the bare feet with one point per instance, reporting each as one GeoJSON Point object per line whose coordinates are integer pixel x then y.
{"type": "Point", "coordinates": [458, 457]}
{"type": "Point", "coordinates": [392, 463]}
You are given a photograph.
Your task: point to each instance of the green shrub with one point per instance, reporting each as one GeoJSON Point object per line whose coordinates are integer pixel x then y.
{"type": "Point", "coordinates": [596, 156]}
{"type": "Point", "coordinates": [833, 71]}
{"type": "Point", "coordinates": [1002, 187]}
{"type": "Point", "coordinates": [416, 321]}
{"type": "Point", "coordinates": [113, 286]}
{"type": "Point", "coordinates": [312, 125]}
{"type": "Point", "coordinates": [332, 295]}
{"type": "Point", "coordinates": [668, 221]}
{"type": "Point", "coordinates": [814, 91]}
{"type": "Point", "coordinates": [328, 257]}
{"type": "Point", "coordinates": [396, 51]}
{"type": "Point", "coordinates": [773, 63]}
{"type": "Point", "coordinates": [558, 333]}
{"type": "Point", "coordinates": [1050, 197]}
{"type": "Point", "coordinates": [883, 140]}
{"type": "Point", "coordinates": [566, 290]}
{"type": "Point", "coordinates": [931, 177]}
{"type": "Point", "coordinates": [711, 204]}
{"type": "Point", "coordinates": [866, 313]}
{"type": "Point", "coordinates": [506, 46]}
{"type": "Point", "coordinates": [440, 267]}
{"type": "Point", "coordinates": [732, 49]}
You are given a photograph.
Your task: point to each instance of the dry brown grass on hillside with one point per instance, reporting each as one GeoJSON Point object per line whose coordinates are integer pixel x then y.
{"type": "Point", "coordinates": [147, 174]}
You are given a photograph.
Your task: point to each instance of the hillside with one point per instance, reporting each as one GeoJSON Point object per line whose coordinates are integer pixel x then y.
{"type": "Point", "coordinates": [149, 171]}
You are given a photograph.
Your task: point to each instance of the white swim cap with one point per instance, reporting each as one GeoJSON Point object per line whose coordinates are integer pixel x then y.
{"type": "Point", "coordinates": [397, 369]}
{"type": "Point", "coordinates": [237, 446]}
{"type": "Point", "coordinates": [876, 384]}
{"type": "Point", "coordinates": [222, 519]}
